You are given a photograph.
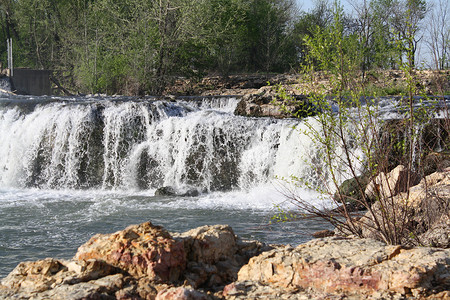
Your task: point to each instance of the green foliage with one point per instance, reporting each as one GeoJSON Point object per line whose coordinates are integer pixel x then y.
{"type": "Point", "coordinates": [334, 51]}
{"type": "Point", "coordinates": [146, 44]}
{"type": "Point", "coordinates": [282, 216]}
{"type": "Point", "coordinates": [139, 46]}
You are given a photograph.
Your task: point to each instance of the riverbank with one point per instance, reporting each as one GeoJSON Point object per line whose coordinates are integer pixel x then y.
{"type": "Point", "coordinates": [385, 82]}
{"type": "Point", "coordinates": [146, 261]}
{"type": "Point", "coordinates": [260, 92]}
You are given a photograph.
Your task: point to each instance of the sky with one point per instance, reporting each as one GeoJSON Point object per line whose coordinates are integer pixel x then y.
{"type": "Point", "coordinates": [305, 4]}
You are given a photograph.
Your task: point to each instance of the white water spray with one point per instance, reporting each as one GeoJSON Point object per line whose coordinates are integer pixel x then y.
{"type": "Point", "coordinates": [131, 145]}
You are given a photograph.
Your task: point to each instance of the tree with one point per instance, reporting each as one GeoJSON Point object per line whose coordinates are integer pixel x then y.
{"type": "Point", "coordinates": [8, 29]}
{"type": "Point", "coordinates": [352, 140]}
{"type": "Point", "coordinates": [38, 25]}
{"type": "Point", "coordinates": [407, 18]}
{"type": "Point", "coordinates": [438, 30]}
{"type": "Point", "coordinates": [308, 22]}
{"type": "Point", "coordinates": [334, 51]}
{"type": "Point", "coordinates": [269, 24]}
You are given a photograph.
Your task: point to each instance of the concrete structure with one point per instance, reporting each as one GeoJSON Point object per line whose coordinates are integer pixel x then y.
{"type": "Point", "coordinates": [32, 82]}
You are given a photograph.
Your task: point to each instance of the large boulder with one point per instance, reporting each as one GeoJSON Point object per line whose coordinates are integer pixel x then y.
{"type": "Point", "coordinates": [141, 250]}
{"type": "Point", "coordinates": [343, 266]}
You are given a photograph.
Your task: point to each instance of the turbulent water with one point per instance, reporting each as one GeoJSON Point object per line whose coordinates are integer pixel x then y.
{"type": "Point", "coordinates": [73, 167]}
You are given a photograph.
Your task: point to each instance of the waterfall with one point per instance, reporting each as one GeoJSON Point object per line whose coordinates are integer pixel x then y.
{"type": "Point", "coordinates": [145, 144]}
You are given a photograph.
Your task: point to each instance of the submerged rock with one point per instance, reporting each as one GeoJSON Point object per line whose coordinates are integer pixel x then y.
{"type": "Point", "coordinates": [171, 191]}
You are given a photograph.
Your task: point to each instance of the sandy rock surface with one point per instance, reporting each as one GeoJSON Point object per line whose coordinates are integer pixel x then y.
{"type": "Point", "coordinates": [351, 267]}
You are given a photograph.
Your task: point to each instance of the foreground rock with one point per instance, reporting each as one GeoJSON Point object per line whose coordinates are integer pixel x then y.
{"type": "Point", "coordinates": [154, 264]}
{"type": "Point", "coordinates": [142, 251]}
{"type": "Point", "coordinates": [347, 267]}
{"type": "Point", "coordinates": [141, 262]}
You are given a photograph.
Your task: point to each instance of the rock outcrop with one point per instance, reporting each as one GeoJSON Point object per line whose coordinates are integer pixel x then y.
{"type": "Point", "coordinates": [267, 102]}
{"type": "Point", "coordinates": [347, 267]}
{"type": "Point", "coordinates": [432, 82]}
{"type": "Point", "coordinates": [423, 210]}
{"type": "Point", "coordinates": [140, 262]}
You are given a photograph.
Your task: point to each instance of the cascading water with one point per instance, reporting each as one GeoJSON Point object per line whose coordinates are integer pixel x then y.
{"type": "Point", "coordinates": [135, 145]}
{"type": "Point", "coordinates": [73, 167]}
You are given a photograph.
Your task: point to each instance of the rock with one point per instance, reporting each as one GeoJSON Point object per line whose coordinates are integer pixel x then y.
{"type": "Point", "coordinates": [34, 276]}
{"type": "Point", "coordinates": [420, 213]}
{"type": "Point", "coordinates": [248, 108]}
{"type": "Point", "coordinates": [388, 185]}
{"type": "Point", "coordinates": [103, 288]}
{"type": "Point", "coordinates": [212, 257]}
{"type": "Point", "coordinates": [351, 193]}
{"type": "Point", "coordinates": [438, 235]}
{"type": "Point", "coordinates": [166, 191]}
{"type": "Point", "coordinates": [180, 293]}
{"type": "Point", "coordinates": [209, 244]}
{"type": "Point", "coordinates": [171, 191]}
{"type": "Point", "coordinates": [352, 267]}
{"type": "Point", "coordinates": [141, 250]}
{"type": "Point", "coordinates": [323, 233]}
{"type": "Point", "coordinates": [436, 161]}
{"type": "Point", "coordinates": [215, 255]}
{"type": "Point", "coordinates": [268, 103]}
{"type": "Point", "coordinates": [243, 290]}
{"type": "Point", "coordinates": [59, 279]}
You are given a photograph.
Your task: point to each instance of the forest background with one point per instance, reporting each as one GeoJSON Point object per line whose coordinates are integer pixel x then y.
{"type": "Point", "coordinates": [137, 47]}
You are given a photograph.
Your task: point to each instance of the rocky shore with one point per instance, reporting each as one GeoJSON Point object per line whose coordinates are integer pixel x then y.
{"type": "Point", "coordinates": [146, 261]}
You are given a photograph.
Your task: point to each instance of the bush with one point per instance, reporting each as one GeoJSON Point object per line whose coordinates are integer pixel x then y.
{"type": "Point", "coordinates": [353, 138]}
